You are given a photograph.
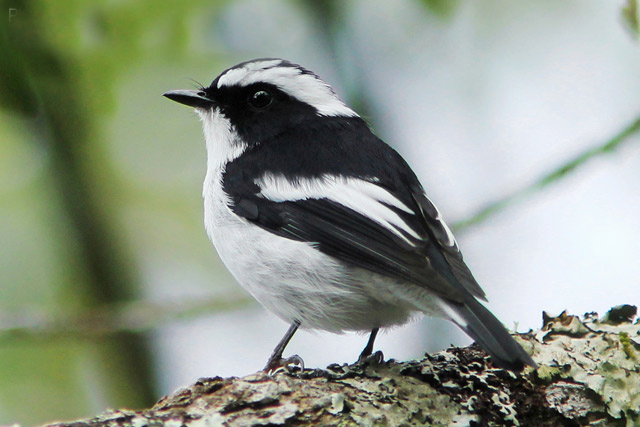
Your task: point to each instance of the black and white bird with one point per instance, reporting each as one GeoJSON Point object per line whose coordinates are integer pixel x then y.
{"type": "Point", "coordinates": [320, 220]}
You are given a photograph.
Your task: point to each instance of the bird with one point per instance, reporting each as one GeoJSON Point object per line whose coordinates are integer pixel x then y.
{"type": "Point", "coordinates": [321, 221]}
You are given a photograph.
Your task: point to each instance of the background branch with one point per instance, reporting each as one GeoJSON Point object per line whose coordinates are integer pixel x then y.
{"type": "Point", "coordinates": [549, 178]}
{"type": "Point", "coordinates": [130, 317]}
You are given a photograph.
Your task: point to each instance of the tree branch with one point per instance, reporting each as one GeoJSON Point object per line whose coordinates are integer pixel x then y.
{"type": "Point", "coordinates": [588, 374]}
{"type": "Point", "coordinates": [133, 317]}
{"type": "Point", "coordinates": [549, 178]}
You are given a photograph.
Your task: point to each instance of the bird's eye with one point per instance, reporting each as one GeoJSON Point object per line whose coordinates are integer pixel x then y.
{"type": "Point", "coordinates": [260, 99]}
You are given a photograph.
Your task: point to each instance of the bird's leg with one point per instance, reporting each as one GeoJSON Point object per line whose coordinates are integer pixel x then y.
{"type": "Point", "coordinates": [276, 361]}
{"type": "Point", "coordinates": [366, 353]}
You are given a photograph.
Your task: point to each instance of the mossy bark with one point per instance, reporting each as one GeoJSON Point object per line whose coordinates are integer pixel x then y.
{"type": "Point", "coordinates": [589, 374]}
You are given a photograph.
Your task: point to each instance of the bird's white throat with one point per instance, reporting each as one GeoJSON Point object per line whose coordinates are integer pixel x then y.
{"type": "Point", "coordinates": [222, 142]}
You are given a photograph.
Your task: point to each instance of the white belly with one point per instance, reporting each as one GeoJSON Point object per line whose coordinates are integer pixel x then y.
{"type": "Point", "coordinates": [295, 281]}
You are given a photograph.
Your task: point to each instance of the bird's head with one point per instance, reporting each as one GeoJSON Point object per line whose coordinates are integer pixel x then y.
{"type": "Point", "coordinates": [263, 97]}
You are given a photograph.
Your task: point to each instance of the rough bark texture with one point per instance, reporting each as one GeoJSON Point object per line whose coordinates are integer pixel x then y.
{"type": "Point", "coordinates": [589, 374]}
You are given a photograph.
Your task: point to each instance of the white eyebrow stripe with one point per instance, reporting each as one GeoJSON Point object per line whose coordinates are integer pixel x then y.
{"type": "Point", "coordinates": [236, 76]}
{"type": "Point", "coordinates": [364, 197]}
{"type": "Point", "coordinates": [305, 87]}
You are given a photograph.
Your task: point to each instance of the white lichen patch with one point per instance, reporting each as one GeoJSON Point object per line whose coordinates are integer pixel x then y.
{"type": "Point", "coordinates": [569, 399]}
{"type": "Point", "coordinates": [209, 420]}
{"type": "Point", "coordinates": [594, 354]}
{"type": "Point", "coordinates": [506, 407]}
{"type": "Point", "coordinates": [465, 420]}
{"type": "Point", "coordinates": [337, 403]}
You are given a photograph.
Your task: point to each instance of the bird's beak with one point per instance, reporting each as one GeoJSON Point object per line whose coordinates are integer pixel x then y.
{"type": "Point", "coordinates": [192, 98]}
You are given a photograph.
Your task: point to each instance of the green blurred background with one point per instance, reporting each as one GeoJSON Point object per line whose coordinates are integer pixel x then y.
{"type": "Point", "coordinates": [94, 187]}
{"type": "Point", "coordinates": [103, 257]}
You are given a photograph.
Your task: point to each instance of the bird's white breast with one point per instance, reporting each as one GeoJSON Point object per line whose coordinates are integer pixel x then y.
{"type": "Point", "coordinates": [290, 278]}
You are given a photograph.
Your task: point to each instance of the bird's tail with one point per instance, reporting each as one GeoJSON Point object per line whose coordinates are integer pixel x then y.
{"type": "Point", "coordinates": [478, 322]}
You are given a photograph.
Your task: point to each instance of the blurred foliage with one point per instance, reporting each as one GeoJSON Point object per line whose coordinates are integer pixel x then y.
{"type": "Point", "coordinates": [62, 62]}
{"type": "Point", "coordinates": [91, 41]}
{"type": "Point", "coordinates": [442, 8]}
{"type": "Point", "coordinates": [631, 17]}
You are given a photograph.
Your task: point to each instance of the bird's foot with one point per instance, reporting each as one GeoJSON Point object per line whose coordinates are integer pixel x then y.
{"type": "Point", "coordinates": [376, 358]}
{"type": "Point", "coordinates": [289, 364]}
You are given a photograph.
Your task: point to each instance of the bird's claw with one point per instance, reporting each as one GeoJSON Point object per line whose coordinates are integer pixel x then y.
{"type": "Point", "coordinates": [376, 358]}
{"type": "Point", "coordinates": [274, 365]}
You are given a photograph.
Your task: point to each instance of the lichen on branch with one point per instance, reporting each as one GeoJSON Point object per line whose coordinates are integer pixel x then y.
{"type": "Point", "coordinates": [589, 374]}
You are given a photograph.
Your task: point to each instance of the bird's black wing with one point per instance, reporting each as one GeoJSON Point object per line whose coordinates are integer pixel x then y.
{"type": "Point", "coordinates": [353, 197]}
{"type": "Point", "coordinates": [446, 242]}
{"type": "Point", "coordinates": [413, 246]}
{"type": "Point", "coordinates": [350, 236]}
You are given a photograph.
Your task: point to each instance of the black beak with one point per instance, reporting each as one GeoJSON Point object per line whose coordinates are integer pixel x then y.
{"type": "Point", "coordinates": [192, 98]}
